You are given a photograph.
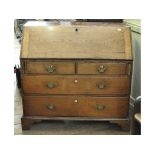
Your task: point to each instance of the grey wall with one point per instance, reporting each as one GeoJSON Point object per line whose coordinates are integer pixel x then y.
{"type": "Point", "coordinates": [136, 45]}
{"type": "Point", "coordinates": [136, 78]}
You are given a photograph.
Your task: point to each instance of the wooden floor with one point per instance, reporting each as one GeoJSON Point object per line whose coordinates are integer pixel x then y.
{"type": "Point", "coordinates": [58, 127]}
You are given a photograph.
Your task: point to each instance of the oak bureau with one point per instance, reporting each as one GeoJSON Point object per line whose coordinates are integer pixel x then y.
{"type": "Point", "coordinates": [76, 71]}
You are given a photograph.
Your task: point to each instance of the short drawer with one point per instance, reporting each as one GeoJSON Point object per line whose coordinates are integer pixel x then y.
{"type": "Point", "coordinates": [50, 67]}
{"type": "Point", "coordinates": [109, 68]}
{"type": "Point", "coordinates": [76, 106]}
{"type": "Point", "coordinates": [46, 84]}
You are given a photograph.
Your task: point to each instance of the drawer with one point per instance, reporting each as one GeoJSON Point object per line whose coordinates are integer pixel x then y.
{"type": "Point", "coordinates": [50, 67]}
{"type": "Point", "coordinates": [75, 106]}
{"type": "Point", "coordinates": [109, 68]}
{"type": "Point", "coordinates": [46, 84]}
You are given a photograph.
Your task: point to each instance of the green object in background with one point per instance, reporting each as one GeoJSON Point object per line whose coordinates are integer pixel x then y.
{"type": "Point", "coordinates": [135, 24]}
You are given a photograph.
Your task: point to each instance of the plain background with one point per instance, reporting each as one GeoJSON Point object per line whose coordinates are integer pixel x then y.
{"type": "Point", "coordinates": [53, 145]}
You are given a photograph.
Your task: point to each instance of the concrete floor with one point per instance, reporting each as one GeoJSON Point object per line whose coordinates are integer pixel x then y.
{"type": "Point", "coordinates": [74, 128]}
{"type": "Point", "coordinates": [17, 96]}
{"type": "Point", "coordinates": [58, 127]}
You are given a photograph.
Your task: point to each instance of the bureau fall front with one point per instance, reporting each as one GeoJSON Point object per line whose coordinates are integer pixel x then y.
{"type": "Point", "coordinates": [78, 71]}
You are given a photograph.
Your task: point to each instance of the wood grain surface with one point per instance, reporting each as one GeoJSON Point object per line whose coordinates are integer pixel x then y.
{"type": "Point", "coordinates": [108, 68]}
{"type": "Point", "coordinates": [41, 67]}
{"type": "Point", "coordinates": [76, 85]}
{"type": "Point", "coordinates": [85, 106]}
{"type": "Point", "coordinates": [77, 41]}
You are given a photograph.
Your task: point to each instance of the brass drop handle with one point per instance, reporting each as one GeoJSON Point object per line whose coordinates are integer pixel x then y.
{"type": "Point", "coordinates": [101, 85]}
{"type": "Point", "coordinates": [101, 69]}
{"type": "Point", "coordinates": [50, 106]}
{"type": "Point", "coordinates": [51, 69]}
{"type": "Point", "coordinates": [100, 107]}
{"type": "Point", "coordinates": [51, 85]}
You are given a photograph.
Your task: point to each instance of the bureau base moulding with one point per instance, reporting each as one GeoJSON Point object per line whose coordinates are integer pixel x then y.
{"type": "Point", "coordinates": [28, 121]}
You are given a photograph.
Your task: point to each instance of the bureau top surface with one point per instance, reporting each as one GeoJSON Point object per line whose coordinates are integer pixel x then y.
{"type": "Point", "coordinates": [76, 41]}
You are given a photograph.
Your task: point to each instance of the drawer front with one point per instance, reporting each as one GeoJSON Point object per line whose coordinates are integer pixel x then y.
{"type": "Point", "coordinates": [76, 106]}
{"type": "Point", "coordinates": [45, 84]}
{"type": "Point", "coordinates": [102, 68]}
{"type": "Point", "coordinates": [49, 67]}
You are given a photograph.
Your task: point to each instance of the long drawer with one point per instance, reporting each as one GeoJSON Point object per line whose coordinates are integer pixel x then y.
{"type": "Point", "coordinates": [76, 106]}
{"type": "Point", "coordinates": [44, 84]}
